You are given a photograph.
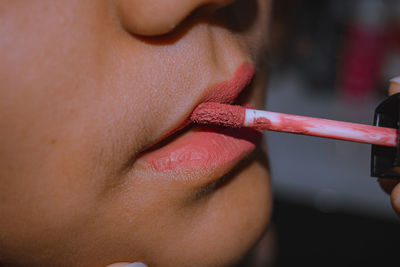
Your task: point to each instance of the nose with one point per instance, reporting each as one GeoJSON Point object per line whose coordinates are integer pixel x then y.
{"type": "Point", "coordinates": [156, 17]}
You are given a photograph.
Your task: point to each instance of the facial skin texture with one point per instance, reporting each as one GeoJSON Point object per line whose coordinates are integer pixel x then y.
{"type": "Point", "coordinates": [87, 85]}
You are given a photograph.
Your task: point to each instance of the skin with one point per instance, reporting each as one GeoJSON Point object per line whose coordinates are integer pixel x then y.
{"type": "Point", "coordinates": [87, 85]}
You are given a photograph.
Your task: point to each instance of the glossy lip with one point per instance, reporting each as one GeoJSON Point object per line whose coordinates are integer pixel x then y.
{"type": "Point", "coordinates": [203, 147]}
{"type": "Point", "coordinates": [206, 149]}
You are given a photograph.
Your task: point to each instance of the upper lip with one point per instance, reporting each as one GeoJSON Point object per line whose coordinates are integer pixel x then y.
{"type": "Point", "coordinates": [225, 92]}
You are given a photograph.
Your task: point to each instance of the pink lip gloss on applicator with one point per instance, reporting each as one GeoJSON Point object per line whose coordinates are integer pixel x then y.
{"type": "Point", "coordinates": [384, 136]}
{"type": "Point", "coordinates": [238, 116]}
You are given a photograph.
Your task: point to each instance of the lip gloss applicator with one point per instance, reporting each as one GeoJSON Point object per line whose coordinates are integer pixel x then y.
{"type": "Point", "coordinates": [238, 116]}
{"type": "Point", "coordinates": [385, 154]}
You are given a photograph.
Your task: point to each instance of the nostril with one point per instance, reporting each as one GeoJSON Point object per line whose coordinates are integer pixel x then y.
{"type": "Point", "coordinates": [158, 17]}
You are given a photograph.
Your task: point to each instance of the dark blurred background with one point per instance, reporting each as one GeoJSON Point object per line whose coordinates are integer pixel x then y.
{"type": "Point", "coordinates": [331, 59]}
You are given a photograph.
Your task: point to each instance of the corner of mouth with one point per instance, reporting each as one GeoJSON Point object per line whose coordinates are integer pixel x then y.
{"type": "Point", "coordinates": [231, 91]}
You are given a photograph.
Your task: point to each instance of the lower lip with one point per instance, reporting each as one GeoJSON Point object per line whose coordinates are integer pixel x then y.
{"type": "Point", "coordinates": [203, 148]}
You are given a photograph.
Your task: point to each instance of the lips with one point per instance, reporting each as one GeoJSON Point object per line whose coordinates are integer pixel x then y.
{"type": "Point", "coordinates": [209, 148]}
{"type": "Point", "coordinates": [203, 147]}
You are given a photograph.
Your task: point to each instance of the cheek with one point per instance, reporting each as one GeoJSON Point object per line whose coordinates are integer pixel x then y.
{"type": "Point", "coordinates": [58, 145]}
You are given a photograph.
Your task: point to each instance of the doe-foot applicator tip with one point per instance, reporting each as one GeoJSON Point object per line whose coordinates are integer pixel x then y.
{"type": "Point", "coordinates": [219, 114]}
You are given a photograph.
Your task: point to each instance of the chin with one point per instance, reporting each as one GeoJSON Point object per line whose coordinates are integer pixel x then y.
{"type": "Point", "coordinates": [233, 219]}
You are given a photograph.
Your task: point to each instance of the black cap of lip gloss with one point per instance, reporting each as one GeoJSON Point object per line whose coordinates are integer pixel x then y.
{"type": "Point", "coordinates": [384, 159]}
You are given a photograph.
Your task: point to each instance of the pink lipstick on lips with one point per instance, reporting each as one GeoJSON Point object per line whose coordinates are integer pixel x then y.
{"type": "Point", "coordinates": [204, 147]}
{"type": "Point", "coordinates": [209, 147]}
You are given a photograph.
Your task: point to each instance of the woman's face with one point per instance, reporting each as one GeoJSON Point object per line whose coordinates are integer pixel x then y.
{"type": "Point", "coordinates": [91, 92]}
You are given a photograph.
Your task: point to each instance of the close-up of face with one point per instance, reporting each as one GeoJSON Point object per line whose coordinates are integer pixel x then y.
{"type": "Point", "coordinates": [99, 160]}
